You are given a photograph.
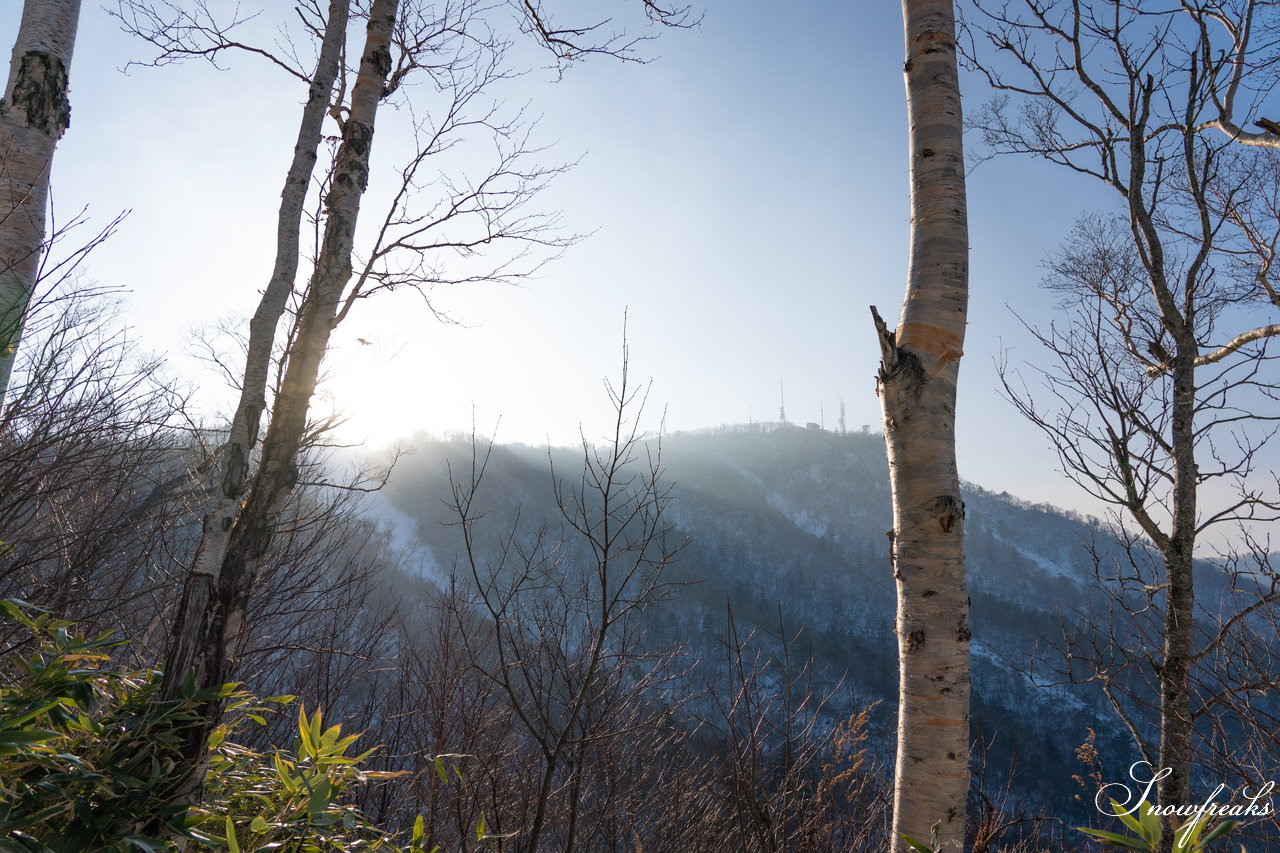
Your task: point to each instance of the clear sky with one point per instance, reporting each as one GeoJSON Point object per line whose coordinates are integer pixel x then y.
{"type": "Point", "coordinates": [747, 194]}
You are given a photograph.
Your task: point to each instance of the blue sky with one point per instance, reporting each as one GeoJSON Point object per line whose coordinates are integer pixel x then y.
{"type": "Point", "coordinates": [747, 194]}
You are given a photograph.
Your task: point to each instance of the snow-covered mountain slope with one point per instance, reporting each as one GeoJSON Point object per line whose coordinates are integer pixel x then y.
{"type": "Point", "coordinates": [787, 524]}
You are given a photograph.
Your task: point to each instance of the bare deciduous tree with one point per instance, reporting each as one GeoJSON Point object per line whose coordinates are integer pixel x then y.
{"type": "Point", "coordinates": [455, 46]}
{"type": "Point", "coordinates": [238, 530]}
{"type": "Point", "coordinates": [92, 469]}
{"type": "Point", "coordinates": [791, 781]}
{"type": "Point", "coordinates": [1153, 393]}
{"type": "Point", "coordinates": [562, 639]}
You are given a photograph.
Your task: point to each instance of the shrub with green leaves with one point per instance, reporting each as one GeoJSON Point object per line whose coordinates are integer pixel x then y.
{"type": "Point", "coordinates": [83, 748]}
{"type": "Point", "coordinates": [289, 800]}
{"type": "Point", "coordinates": [84, 760]}
{"type": "Point", "coordinates": [1148, 831]}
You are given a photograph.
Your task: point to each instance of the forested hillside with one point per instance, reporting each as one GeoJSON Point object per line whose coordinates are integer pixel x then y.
{"type": "Point", "coordinates": [786, 526]}
{"type": "Point", "coordinates": [722, 655]}
{"type": "Point", "coordinates": [256, 593]}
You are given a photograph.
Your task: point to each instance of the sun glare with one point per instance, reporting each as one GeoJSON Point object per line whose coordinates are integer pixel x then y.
{"type": "Point", "coordinates": [369, 398]}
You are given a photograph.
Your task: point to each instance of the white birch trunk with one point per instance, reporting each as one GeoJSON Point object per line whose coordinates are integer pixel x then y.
{"type": "Point", "coordinates": [33, 116]}
{"type": "Point", "coordinates": [236, 536]}
{"type": "Point", "coordinates": [917, 386]}
{"type": "Point", "coordinates": [231, 477]}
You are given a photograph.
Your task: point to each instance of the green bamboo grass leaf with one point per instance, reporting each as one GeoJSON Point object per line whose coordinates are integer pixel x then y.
{"type": "Point", "coordinates": [931, 847]}
{"type": "Point", "coordinates": [1187, 836]}
{"type": "Point", "coordinates": [1151, 829]}
{"type": "Point", "coordinates": [16, 721]}
{"type": "Point", "coordinates": [306, 747]}
{"type": "Point", "coordinates": [233, 844]}
{"type": "Point", "coordinates": [17, 609]}
{"type": "Point", "coordinates": [321, 794]}
{"type": "Point", "coordinates": [91, 717]}
{"type": "Point", "coordinates": [317, 737]}
{"type": "Point", "coordinates": [283, 768]}
{"type": "Point", "coordinates": [331, 737]}
{"type": "Point", "coordinates": [1126, 816]}
{"type": "Point", "coordinates": [918, 845]}
{"type": "Point", "coordinates": [1125, 841]}
{"type": "Point", "coordinates": [1219, 831]}
{"type": "Point", "coordinates": [16, 737]}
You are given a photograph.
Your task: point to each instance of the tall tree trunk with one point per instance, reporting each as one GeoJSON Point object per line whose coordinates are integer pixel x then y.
{"type": "Point", "coordinates": [215, 598]}
{"type": "Point", "coordinates": [917, 388]}
{"type": "Point", "coordinates": [186, 653]}
{"type": "Point", "coordinates": [1176, 725]}
{"type": "Point", "coordinates": [33, 116]}
{"type": "Point", "coordinates": [1177, 307]}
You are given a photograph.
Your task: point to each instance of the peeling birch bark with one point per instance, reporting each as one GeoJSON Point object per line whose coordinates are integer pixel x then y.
{"type": "Point", "coordinates": [33, 116]}
{"type": "Point", "coordinates": [243, 510]}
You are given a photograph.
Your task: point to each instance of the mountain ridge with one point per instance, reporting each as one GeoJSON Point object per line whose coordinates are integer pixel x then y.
{"type": "Point", "coordinates": [787, 525]}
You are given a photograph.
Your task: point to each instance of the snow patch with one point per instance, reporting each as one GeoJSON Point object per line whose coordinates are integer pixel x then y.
{"type": "Point", "coordinates": [1049, 567]}
{"type": "Point", "coordinates": [401, 527]}
{"type": "Point", "coordinates": [799, 517]}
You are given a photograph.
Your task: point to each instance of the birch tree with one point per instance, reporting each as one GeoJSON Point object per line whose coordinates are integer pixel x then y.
{"type": "Point", "coordinates": [456, 46]}
{"type": "Point", "coordinates": [916, 383]}
{"type": "Point", "coordinates": [215, 590]}
{"type": "Point", "coordinates": [33, 115]}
